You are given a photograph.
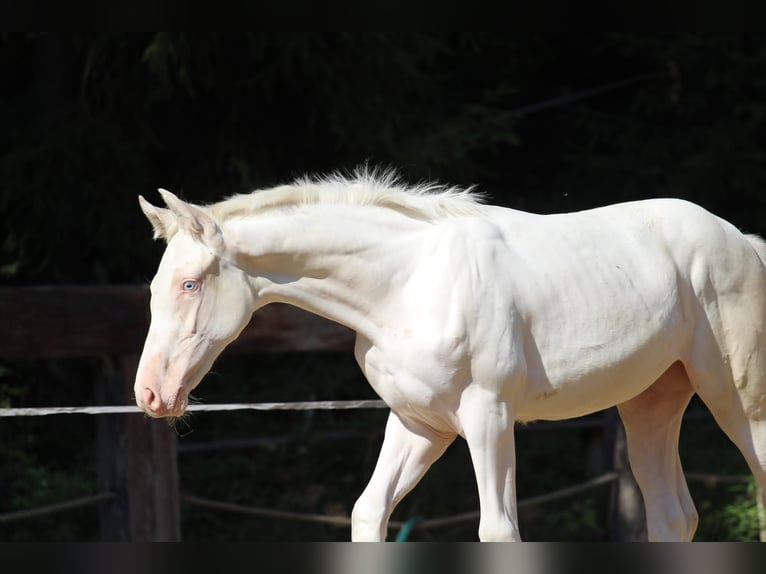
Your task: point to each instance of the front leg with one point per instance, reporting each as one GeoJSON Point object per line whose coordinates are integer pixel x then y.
{"type": "Point", "coordinates": [488, 428]}
{"type": "Point", "coordinates": [409, 449]}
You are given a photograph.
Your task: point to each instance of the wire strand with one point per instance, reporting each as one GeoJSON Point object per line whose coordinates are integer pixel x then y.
{"type": "Point", "coordinates": [130, 409]}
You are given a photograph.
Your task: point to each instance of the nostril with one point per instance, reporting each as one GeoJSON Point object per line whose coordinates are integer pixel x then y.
{"type": "Point", "coordinates": [148, 397]}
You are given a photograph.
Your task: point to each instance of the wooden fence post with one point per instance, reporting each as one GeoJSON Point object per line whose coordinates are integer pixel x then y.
{"type": "Point", "coordinates": [152, 472]}
{"type": "Point", "coordinates": [137, 462]}
{"type": "Point", "coordinates": [111, 449]}
{"type": "Point", "coordinates": [627, 522]}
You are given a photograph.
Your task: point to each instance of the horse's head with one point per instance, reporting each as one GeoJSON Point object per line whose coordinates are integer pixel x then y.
{"type": "Point", "coordinates": [200, 302]}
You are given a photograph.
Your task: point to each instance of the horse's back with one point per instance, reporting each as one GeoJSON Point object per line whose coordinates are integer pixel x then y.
{"type": "Point", "coordinates": [613, 296]}
{"type": "Point", "coordinates": [653, 233]}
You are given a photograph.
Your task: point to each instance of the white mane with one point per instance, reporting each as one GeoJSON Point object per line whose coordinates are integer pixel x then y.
{"type": "Point", "coordinates": [428, 201]}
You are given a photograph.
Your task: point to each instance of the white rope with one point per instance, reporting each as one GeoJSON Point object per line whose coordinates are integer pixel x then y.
{"type": "Point", "coordinates": [132, 409]}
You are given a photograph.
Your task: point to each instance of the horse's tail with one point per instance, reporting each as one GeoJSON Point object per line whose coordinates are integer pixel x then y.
{"type": "Point", "coordinates": [759, 245]}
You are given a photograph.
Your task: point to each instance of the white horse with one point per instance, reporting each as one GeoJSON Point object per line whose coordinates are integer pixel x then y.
{"type": "Point", "coordinates": [470, 317]}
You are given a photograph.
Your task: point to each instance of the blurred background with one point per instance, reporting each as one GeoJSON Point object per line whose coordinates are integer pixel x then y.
{"type": "Point", "coordinates": [540, 123]}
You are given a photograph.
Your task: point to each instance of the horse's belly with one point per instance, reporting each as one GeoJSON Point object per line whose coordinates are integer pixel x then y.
{"type": "Point", "coordinates": [579, 392]}
{"type": "Point", "coordinates": [599, 331]}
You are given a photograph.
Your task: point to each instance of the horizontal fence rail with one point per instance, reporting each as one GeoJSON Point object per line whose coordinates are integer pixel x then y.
{"type": "Point", "coordinates": [80, 321]}
{"type": "Point", "coordinates": [54, 508]}
{"type": "Point", "coordinates": [337, 520]}
{"type": "Point", "coordinates": [130, 409]}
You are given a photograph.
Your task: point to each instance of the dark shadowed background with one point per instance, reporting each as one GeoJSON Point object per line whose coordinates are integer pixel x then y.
{"type": "Point", "coordinates": [540, 123]}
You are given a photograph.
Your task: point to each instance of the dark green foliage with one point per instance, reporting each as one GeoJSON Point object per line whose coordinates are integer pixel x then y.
{"type": "Point", "coordinates": [88, 121]}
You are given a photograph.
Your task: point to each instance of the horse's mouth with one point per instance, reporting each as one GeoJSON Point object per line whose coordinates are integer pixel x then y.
{"type": "Point", "coordinates": [165, 413]}
{"type": "Point", "coordinates": [172, 408]}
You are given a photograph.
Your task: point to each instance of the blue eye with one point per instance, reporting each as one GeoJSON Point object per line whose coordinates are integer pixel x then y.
{"type": "Point", "coordinates": [190, 285]}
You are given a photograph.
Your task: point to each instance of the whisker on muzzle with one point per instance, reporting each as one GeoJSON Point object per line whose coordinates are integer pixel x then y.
{"type": "Point", "coordinates": [185, 419]}
{"type": "Point", "coordinates": [194, 400]}
{"type": "Point", "coordinates": [177, 423]}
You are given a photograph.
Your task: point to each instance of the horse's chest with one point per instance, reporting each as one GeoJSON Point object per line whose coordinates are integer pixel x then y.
{"type": "Point", "coordinates": [409, 378]}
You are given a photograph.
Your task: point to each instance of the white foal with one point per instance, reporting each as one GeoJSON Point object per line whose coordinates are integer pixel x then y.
{"type": "Point", "coordinates": [470, 317]}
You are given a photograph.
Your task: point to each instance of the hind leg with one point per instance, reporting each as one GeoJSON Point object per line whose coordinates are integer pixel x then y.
{"type": "Point", "coordinates": [734, 390]}
{"type": "Point", "coordinates": [652, 425]}
{"type": "Point", "coordinates": [746, 428]}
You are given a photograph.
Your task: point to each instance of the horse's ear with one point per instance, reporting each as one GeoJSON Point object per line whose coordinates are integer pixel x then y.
{"type": "Point", "coordinates": [194, 220]}
{"type": "Point", "coordinates": [162, 220]}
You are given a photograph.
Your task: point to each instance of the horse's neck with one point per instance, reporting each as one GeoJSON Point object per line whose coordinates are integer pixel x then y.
{"type": "Point", "coordinates": [334, 261]}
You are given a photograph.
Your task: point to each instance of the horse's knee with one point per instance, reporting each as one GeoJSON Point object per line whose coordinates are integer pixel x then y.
{"type": "Point", "coordinates": [671, 523]}
{"type": "Point", "coordinates": [686, 525]}
{"type": "Point", "coordinates": [498, 531]}
{"type": "Point", "coordinates": [368, 521]}
{"type": "Point", "coordinates": [692, 521]}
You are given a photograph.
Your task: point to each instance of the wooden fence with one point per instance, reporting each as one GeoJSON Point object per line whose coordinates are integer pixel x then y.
{"type": "Point", "coordinates": [137, 472]}
{"type": "Point", "coordinates": [136, 455]}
